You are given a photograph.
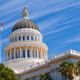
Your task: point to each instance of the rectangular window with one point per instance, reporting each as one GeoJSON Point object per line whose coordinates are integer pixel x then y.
{"type": "Point", "coordinates": [36, 54]}
{"type": "Point", "coordinates": [8, 55]}
{"type": "Point", "coordinates": [32, 38]}
{"type": "Point", "coordinates": [33, 54]}
{"type": "Point", "coordinates": [19, 38]}
{"type": "Point", "coordinates": [24, 54]}
{"type": "Point", "coordinates": [35, 38]}
{"type": "Point", "coordinates": [18, 54]}
{"type": "Point", "coordinates": [23, 37]}
{"type": "Point", "coordinates": [28, 53]}
{"type": "Point", "coordinates": [27, 37]}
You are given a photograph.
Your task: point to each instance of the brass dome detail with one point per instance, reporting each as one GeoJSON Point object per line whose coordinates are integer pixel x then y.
{"type": "Point", "coordinates": [25, 23]}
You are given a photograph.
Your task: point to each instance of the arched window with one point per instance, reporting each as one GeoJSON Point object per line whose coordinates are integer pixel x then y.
{"type": "Point", "coordinates": [24, 55]}
{"type": "Point", "coordinates": [28, 53]}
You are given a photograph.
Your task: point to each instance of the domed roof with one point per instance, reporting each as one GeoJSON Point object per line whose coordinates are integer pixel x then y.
{"type": "Point", "coordinates": [25, 22]}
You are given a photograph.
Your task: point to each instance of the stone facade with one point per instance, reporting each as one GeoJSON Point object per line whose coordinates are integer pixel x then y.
{"type": "Point", "coordinates": [50, 66]}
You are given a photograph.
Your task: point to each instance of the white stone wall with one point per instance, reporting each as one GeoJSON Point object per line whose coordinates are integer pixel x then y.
{"type": "Point", "coordinates": [51, 66]}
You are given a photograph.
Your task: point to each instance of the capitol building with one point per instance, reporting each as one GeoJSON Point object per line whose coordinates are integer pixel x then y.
{"type": "Point", "coordinates": [27, 54]}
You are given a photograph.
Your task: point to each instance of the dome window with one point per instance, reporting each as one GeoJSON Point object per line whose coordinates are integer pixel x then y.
{"type": "Point", "coordinates": [23, 37]}
{"type": "Point", "coordinates": [19, 38]}
{"type": "Point", "coordinates": [27, 37]}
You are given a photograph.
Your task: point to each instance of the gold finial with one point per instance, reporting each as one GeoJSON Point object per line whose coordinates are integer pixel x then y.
{"type": "Point", "coordinates": [25, 13]}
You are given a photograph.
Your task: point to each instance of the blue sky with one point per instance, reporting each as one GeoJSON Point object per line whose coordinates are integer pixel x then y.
{"type": "Point", "coordinates": [58, 20]}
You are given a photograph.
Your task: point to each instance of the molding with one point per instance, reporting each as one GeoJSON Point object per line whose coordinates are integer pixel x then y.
{"type": "Point", "coordinates": [26, 44]}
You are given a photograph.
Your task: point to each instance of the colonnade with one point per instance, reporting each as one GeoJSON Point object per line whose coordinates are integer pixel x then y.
{"type": "Point", "coordinates": [25, 53]}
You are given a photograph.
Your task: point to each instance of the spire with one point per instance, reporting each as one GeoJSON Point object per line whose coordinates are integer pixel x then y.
{"type": "Point", "coordinates": [25, 13]}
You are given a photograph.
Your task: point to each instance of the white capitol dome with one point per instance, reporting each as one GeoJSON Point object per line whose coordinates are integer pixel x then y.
{"type": "Point", "coordinates": [26, 47]}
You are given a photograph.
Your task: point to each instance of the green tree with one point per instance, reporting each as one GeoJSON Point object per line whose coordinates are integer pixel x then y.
{"type": "Point", "coordinates": [67, 69]}
{"type": "Point", "coordinates": [78, 68]}
{"type": "Point", "coordinates": [6, 73]}
{"type": "Point", "coordinates": [45, 76]}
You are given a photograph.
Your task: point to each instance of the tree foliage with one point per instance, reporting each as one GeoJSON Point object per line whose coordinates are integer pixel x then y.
{"type": "Point", "coordinates": [45, 76]}
{"type": "Point", "coordinates": [6, 73]}
{"type": "Point", "coordinates": [69, 69]}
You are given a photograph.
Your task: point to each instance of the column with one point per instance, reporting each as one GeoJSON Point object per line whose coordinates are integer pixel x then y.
{"type": "Point", "coordinates": [37, 53]}
{"type": "Point", "coordinates": [31, 53]}
{"type": "Point", "coordinates": [34, 53]}
{"type": "Point", "coordinates": [20, 53]}
{"type": "Point", "coordinates": [34, 38]}
{"type": "Point", "coordinates": [21, 37]}
{"type": "Point", "coordinates": [14, 53]}
{"type": "Point", "coordinates": [41, 54]}
{"type": "Point", "coordinates": [26, 53]}
{"type": "Point", "coordinates": [10, 54]}
{"type": "Point", "coordinates": [29, 38]}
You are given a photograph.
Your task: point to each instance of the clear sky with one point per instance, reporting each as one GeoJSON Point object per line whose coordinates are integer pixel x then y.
{"type": "Point", "coordinates": [58, 20]}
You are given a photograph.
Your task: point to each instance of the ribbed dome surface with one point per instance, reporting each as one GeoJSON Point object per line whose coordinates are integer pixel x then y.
{"type": "Point", "coordinates": [25, 23]}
